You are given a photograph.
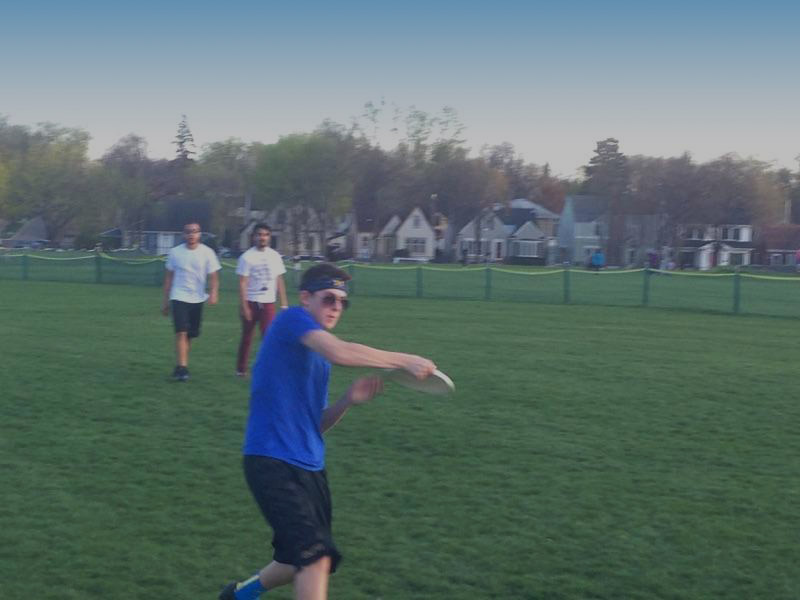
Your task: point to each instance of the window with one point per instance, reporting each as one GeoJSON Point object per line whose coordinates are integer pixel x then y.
{"type": "Point", "coordinates": [736, 234]}
{"type": "Point", "coordinates": [526, 248]}
{"type": "Point", "coordinates": [417, 222]}
{"type": "Point", "coordinates": [736, 259]}
{"type": "Point", "coordinates": [415, 245]}
{"type": "Point", "coordinates": [724, 233]}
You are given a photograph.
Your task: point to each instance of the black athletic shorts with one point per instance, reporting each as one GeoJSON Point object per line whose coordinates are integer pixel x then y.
{"type": "Point", "coordinates": [187, 316]}
{"type": "Point", "coordinates": [297, 505]}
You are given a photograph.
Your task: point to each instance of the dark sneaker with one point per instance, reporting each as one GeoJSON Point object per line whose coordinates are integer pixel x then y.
{"type": "Point", "coordinates": [181, 373]}
{"type": "Point", "coordinates": [228, 592]}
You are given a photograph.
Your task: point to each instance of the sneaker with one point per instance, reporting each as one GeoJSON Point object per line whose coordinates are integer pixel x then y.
{"type": "Point", "coordinates": [181, 373]}
{"type": "Point", "coordinates": [228, 592]}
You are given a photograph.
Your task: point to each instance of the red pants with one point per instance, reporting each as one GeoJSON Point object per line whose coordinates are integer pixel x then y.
{"type": "Point", "coordinates": [262, 315]}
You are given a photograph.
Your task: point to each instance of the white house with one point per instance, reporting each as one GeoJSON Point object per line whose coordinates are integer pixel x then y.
{"type": "Point", "coordinates": [522, 232]}
{"type": "Point", "coordinates": [413, 237]}
{"type": "Point", "coordinates": [708, 246]}
{"type": "Point", "coordinates": [416, 236]}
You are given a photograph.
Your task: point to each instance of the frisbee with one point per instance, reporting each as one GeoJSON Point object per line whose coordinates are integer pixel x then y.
{"type": "Point", "coordinates": [436, 383]}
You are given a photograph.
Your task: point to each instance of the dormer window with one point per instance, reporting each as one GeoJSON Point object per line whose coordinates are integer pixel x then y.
{"type": "Point", "coordinates": [417, 222]}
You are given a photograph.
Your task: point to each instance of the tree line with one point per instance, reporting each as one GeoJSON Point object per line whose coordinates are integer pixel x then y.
{"type": "Point", "coordinates": [45, 171]}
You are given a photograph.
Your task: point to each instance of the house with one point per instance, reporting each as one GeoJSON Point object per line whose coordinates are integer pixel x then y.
{"type": "Point", "coordinates": [644, 235]}
{"type": "Point", "coordinates": [386, 241]}
{"type": "Point", "coordinates": [412, 237]}
{"type": "Point", "coordinates": [296, 230]}
{"type": "Point", "coordinates": [33, 234]}
{"type": "Point", "coordinates": [583, 228]}
{"type": "Point", "coordinates": [162, 228]}
{"type": "Point", "coordinates": [522, 232]}
{"type": "Point", "coordinates": [778, 245]}
{"type": "Point", "coordinates": [707, 246]}
{"type": "Point", "coordinates": [484, 238]}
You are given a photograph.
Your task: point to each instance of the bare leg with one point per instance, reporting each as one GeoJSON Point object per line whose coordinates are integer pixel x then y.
{"type": "Point", "coordinates": [182, 348]}
{"type": "Point", "coordinates": [311, 582]}
{"type": "Point", "coordinates": [276, 574]}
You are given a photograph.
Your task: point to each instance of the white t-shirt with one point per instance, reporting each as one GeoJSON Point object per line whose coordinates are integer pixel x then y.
{"type": "Point", "coordinates": [191, 268]}
{"type": "Point", "coordinates": [262, 268]}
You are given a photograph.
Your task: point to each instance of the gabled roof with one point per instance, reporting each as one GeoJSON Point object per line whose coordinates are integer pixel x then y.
{"type": "Point", "coordinates": [33, 231]}
{"type": "Point", "coordinates": [703, 243]}
{"type": "Point", "coordinates": [391, 225]}
{"type": "Point", "coordinates": [588, 208]}
{"type": "Point", "coordinates": [540, 211]}
{"type": "Point", "coordinates": [528, 231]}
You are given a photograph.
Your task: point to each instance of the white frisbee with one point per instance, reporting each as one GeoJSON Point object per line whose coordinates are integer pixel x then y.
{"type": "Point", "coordinates": [436, 383]}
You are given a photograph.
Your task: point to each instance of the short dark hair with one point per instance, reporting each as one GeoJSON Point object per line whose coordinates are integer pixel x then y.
{"type": "Point", "coordinates": [262, 226]}
{"type": "Point", "coordinates": [323, 271]}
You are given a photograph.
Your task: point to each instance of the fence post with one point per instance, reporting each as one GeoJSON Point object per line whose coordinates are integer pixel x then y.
{"type": "Point", "coordinates": [25, 266]}
{"type": "Point", "coordinates": [566, 284]}
{"type": "Point", "coordinates": [487, 293]}
{"type": "Point", "coordinates": [419, 281]}
{"type": "Point", "coordinates": [98, 269]}
{"type": "Point", "coordinates": [351, 288]}
{"type": "Point", "coordinates": [646, 287]}
{"type": "Point", "coordinates": [736, 291]}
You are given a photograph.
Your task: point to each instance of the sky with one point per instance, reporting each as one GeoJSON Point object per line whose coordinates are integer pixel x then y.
{"type": "Point", "coordinates": [703, 77]}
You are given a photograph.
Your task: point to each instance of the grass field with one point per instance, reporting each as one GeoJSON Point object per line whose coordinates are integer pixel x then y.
{"type": "Point", "coordinates": [590, 452]}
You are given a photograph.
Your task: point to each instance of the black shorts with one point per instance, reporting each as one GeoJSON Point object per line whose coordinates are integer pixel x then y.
{"type": "Point", "coordinates": [187, 316]}
{"type": "Point", "coordinates": [297, 505]}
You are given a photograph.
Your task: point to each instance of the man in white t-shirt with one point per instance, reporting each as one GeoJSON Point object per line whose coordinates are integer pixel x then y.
{"type": "Point", "coordinates": [260, 272]}
{"type": "Point", "coordinates": [188, 267]}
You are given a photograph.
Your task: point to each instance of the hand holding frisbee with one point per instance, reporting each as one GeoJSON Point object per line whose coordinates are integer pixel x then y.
{"type": "Point", "coordinates": [436, 383]}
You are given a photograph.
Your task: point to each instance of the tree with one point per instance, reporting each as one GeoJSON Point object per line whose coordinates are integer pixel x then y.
{"type": "Point", "coordinates": [184, 142]}
{"type": "Point", "coordinates": [607, 176]}
{"type": "Point", "coordinates": [49, 178]}
{"type": "Point", "coordinates": [126, 178]}
{"type": "Point", "coordinates": [303, 171]}
{"type": "Point", "coordinates": [223, 175]}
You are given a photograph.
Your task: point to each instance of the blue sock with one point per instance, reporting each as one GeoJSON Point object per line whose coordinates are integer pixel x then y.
{"type": "Point", "coordinates": [250, 589]}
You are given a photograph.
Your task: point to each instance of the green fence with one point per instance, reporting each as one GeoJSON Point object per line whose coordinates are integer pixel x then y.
{"type": "Point", "coordinates": [719, 292]}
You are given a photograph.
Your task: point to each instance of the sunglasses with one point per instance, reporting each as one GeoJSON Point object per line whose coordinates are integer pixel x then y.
{"type": "Point", "coordinates": [332, 299]}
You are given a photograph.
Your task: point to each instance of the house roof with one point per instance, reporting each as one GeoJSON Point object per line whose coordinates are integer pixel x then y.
{"type": "Point", "coordinates": [528, 231]}
{"type": "Point", "coordinates": [520, 212]}
{"type": "Point", "coordinates": [781, 237]}
{"type": "Point", "coordinates": [588, 208]}
{"type": "Point", "coordinates": [33, 231]}
{"type": "Point", "coordinates": [540, 211]}
{"type": "Point", "coordinates": [702, 243]}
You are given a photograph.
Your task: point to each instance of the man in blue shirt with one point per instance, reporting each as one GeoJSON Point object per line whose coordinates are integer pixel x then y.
{"type": "Point", "coordinates": [284, 451]}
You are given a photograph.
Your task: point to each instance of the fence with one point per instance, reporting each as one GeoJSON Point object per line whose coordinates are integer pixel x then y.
{"type": "Point", "coordinates": [737, 292]}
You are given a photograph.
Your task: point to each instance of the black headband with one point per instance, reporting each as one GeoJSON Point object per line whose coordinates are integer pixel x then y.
{"type": "Point", "coordinates": [325, 283]}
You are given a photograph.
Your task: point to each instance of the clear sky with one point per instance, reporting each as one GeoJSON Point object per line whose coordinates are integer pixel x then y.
{"type": "Point", "coordinates": [552, 78]}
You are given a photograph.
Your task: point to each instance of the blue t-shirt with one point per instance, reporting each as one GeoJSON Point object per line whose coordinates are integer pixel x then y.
{"type": "Point", "coordinates": [288, 394]}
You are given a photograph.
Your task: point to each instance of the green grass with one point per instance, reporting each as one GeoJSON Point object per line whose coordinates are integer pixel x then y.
{"type": "Point", "coordinates": [590, 452]}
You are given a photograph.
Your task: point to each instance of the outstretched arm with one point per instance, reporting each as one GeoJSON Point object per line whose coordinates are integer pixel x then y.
{"type": "Point", "coordinates": [350, 354]}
